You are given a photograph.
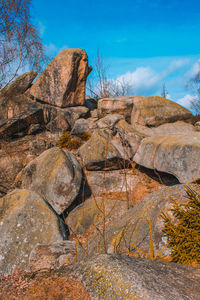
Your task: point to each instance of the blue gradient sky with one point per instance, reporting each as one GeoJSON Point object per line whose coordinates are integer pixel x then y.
{"type": "Point", "coordinates": [146, 42]}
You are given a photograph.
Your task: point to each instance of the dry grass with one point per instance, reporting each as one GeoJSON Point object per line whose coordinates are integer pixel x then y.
{"type": "Point", "coordinates": [43, 286]}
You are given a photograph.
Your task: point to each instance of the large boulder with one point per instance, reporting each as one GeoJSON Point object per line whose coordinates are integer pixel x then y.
{"type": "Point", "coordinates": [63, 81]}
{"type": "Point", "coordinates": [15, 155]}
{"type": "Point", "coordinates": [101, 152]}
{"type": "Point", "coordinates": [133, 227]}
{"type": "Point", "coordinates": [155, 110]}
{"type": "Point", "coordinates": [20, 123]}
{"type": "Point", "coordinates": [176, 154]}
{"type": "Point", "coordinates": [56, 175]}
{"type": "Point", "coordinates": [12, 98]}
{"type": "Point", "coordinates": [25, 220]}
{"type": "Point", "coordinates": [123, 277]}
{"type": "Point", "coordinates": [118, 105]}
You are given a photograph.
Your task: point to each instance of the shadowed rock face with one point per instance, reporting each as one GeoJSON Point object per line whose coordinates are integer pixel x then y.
{"type": "Point", "coordinates": [56, 175]}
{"type": "Point", "coordinates": [123, 277]}
{"type": "Point", "coordinates": [63, 81]}
{"type": "Point", "coordinates": [154, 111]}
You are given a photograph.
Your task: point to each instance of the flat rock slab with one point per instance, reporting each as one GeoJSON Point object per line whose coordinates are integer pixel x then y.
{"type": "Point", "coordinates": [56, 175]}
{"type": "Point", "coordinates": [63, 81]}
{"type": "Point", "coordinates": [177, 154]}
{"type": "Point", "coordinates": [25, 220]}
{"type": "Point", "coordinates": [123, 277]}
{"type": "Point", "coordinates": [21, 122]}
{"type": "Point", "coordinates": [157, 110]}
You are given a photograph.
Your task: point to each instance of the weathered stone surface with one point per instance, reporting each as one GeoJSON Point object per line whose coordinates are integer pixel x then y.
{"type": "Point", "coordinates": [174, 154]}
{"type": "Point", "coordinates": [81, 125]}
{"type": "Point", "coordinates": [129, 137]}
{"type": "Point", "coordinates": [175, 128]}
{"type": "Point", "coordinates": [100, 148]}
{"type": "Point", "coordinates": [52, 256]}
{"type": "Point", "coordinates": [15, 155]}
{"type": "Point", "coordinates": [20, 123]}
{"type": "Point", "coordinates": [117, 105]}
{"type": "Point", "coordinates": [129, 185]}
{"type": "Point", "coordinates": [56, 175]}
{"type": "Point", "coordinates": [89, 214]}
{"type": "Point", "coordinates": [133, 227]}
{"type": "Point", "coordinates": [19, 86]}
{"type": "Point", "coordinates": [109, 121]}
{"type": "Point", "coordinates": [25, 220]}
{"type": "Point", "coordinates": [63, 81]}
{"type": "Point", "coordinates": [59, 119]}
{"type": "Point", "coordinates": [156, 110]}
{"type": "Point", "coordinates": [123, 277]}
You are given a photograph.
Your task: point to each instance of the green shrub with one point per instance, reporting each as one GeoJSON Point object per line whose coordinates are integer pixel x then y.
{"type": "Point", "coordinates": [183, 230]}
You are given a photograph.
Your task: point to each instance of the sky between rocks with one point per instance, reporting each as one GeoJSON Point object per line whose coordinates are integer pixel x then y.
{"type": "Point", "coordinates": [145, 42]}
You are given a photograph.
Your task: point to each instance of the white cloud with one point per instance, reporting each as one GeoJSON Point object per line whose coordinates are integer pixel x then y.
{"type": "Point", "coordinates": [192, 71]}
{"type": "Point", "coordinates": [186, 100]}
{"type": "Point", "coordinates": [142, 79]}
{"type": "Point", "coordinates": [145, 80]}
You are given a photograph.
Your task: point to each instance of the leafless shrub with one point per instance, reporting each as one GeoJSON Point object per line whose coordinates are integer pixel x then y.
{"type": "Point", "coordinates": [20, 44]}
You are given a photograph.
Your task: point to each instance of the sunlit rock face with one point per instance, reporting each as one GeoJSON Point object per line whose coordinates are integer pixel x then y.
{"type": "Point", "coordinates": [63, 81]}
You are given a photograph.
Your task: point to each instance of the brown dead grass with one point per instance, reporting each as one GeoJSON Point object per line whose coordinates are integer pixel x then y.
{"type": "Point", "coordinates": [26, 286]}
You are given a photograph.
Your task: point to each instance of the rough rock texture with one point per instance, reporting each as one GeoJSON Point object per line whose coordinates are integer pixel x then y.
{"type": "Point", "coordinates": [20, 123]}
{"type": "Point", "coordinates": [81, 126]}
{"type": "Point", "coordinates": [25, 220]}
{"type": "Point", "coordinates": [133, 227]}
{"type": "Point", "coordinates": [156, 110]}
{"type": "Point", "coordinates": [175, 154]}
{"type": "Point", "coordinates": [19, 86]}
{"type": "Point", "coordinates": [89, 214]}
{"type": "Point", "coordinates": [52, 256]}
{"type": "Point", "coordinates": [56, 175]}
{"type": "Point", "coordinates": [129, 137]}
{"type": "Point", "coordinates": [117, 105]}
{"type": "Point", "coordinates": [109, 121]}
{"type": "Point", "coordinates": [15, 155]}
{"type": "Point", "coordinates": [123, 277]}
{"type": "Point", "coordinates": [63, 81]}
{"type": "Point", "coordinates": [58, 119]}
{"type": "Point", "coordinates": [100, 148]}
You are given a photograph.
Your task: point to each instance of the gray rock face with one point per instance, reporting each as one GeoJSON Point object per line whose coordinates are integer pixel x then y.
{"type": "Point", "coordinates": [123, 277]}
{"type": "Point", "coordinates": [20, 123]}
{"type": "Point", "coordinates": [109, 121]}
{"type": "Point", "coordinates": [25, 220]}
{"type": "Point", "coordinates": [133, 227]}
{"type": "Point", "coordinates": [81, 126]}
{"type": "Point", "coordinates": [63, 81]}
{"type": "Point", "coordinates": [102, 148]}
{"type": "Point", "coordinates": [52, 256]}
{"type": "Point", "coordinates": [174, 154]}
{"type": "Point", "coordinates": [117, 105]}
{"type": "Point", "coordinates": [56, 175]}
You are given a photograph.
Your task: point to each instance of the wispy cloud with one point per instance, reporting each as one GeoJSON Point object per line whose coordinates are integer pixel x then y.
{"type": "Point", "coordinates": [186, 100]}
{"type": "Point", "coordinates": [41, 28]}
{"type": "Point", "coordinates": [53, 50]}
{"type": "Point", "coordinates": [145, 80]}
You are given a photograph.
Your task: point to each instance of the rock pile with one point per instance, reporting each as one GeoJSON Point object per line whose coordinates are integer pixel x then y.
{"type": "Point", "coordinates": [135, 151]}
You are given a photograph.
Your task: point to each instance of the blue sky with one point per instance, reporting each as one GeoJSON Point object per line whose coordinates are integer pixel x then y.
{"type": "Point", "coordinates": [147, 43]}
